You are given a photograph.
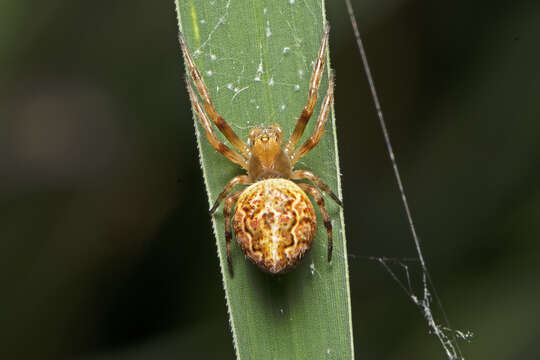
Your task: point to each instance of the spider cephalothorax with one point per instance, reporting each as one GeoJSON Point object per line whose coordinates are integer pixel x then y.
{"type": "Point", "coordinates": [274, 220]}
{"type": "Point", "coordinates": [267, 157]}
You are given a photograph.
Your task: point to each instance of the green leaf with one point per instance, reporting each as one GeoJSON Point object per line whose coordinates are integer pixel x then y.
{"type": "Point", "coordinates": [256, 58]}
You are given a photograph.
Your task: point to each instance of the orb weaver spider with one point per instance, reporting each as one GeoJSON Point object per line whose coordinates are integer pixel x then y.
{"type": "Point", "coordinates": [274, 221]}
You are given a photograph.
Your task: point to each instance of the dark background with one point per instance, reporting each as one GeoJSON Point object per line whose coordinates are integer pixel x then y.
{"type": "Point", "coordinates": [106, 247]}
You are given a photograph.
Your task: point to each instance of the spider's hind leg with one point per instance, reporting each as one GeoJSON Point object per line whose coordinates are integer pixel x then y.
{"type": "Point", "coordinates": [237, 180]}
{"type": "Point", "coordinates": [313, 191]}
{"type": "Point", "coordinates": [304, 174]}
{"type": "Point", "coordinates": [228, 225]}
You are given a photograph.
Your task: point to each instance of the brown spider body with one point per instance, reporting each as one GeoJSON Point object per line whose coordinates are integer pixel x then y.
{"type": "Point", "coordinates": [274, 221]}
{"type": "Point", "coordinates": [274, 224]}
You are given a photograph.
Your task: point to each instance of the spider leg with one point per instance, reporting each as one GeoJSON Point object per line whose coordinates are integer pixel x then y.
{"type": "Point", "coordinates": [237, 180]}
{"type": "Point", "coordinates": [228, 225]}
{"type": "Point", "coordinates": [312, 96]}
{"type": "Point", "coordinates": [210, 135]}
{"type": "Point", "coordinates": [310, 189]}
{"type": "Point", "coordinates": [217, 119]}
{"type": "Point", "coordinates": [319, 127]}
{"type": "Point", "coordinates": [304, 174]}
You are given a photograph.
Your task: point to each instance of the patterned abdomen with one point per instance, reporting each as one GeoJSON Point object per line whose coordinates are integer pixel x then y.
{"type": "Point", "coordinates": [275, 224]}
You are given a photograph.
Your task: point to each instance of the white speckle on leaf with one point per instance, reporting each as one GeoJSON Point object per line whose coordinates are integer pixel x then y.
{"type": "Point", "coordinates": [314, 271]}
{"type": "Point", "coordinates": [286, 49]}
{"type": "Point", "coordinates": [209, 73]}
{"type": "Point", "coordinates": [229, 86]}
{"type": "Point", "coordinates": [265, 11]}
{"type": "Point", "coordinates": [291, 2]}
{"type": "Point", "coordinates": [300, 73]}
{"type": "Point", "coordinates": [213, 57]}
{"type": "Point", "coordinates": [268, 32]}
{"type": "Point", "coordinates": [296, 87]}
{"type": "Point", "coordinates": [271, 82]}
{"type": "Point", "coordinates": [197, 52]}
{"type": "Point", "coordinates": [257, 107]}
{"type": "Point", "coordinates": [203, 21]}
{"type": "Point", "coordinates": [282, 107]}
{"type": "Point", "coordinates": [259, 72]}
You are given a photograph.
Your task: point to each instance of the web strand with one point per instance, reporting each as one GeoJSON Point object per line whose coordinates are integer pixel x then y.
{"type": "Point", "coordinates": [448, 343]}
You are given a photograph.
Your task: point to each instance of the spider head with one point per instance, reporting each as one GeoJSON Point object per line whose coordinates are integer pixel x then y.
{"type": "Point", "coordinates": [265, 137]}
{"type": "Point", "coordinates": [266, 142]}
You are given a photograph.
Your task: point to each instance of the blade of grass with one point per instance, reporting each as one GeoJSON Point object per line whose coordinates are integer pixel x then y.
{"type": "Point", "coordinates": [256, 58]}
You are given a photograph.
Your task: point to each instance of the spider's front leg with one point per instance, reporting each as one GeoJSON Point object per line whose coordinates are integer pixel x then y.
{"type": "Point", "coordinates": [210, 135]}
{"type": "Point", "coordinates": [312, 96]}
{"type": "Point", "coordinates": [319, 126]}
{"type": "Point", "coordinates": [313, 191]}
{"type": "Point", "coordinates": [228, 225]}
{"type": "Point", "coordinates": [217, 119]}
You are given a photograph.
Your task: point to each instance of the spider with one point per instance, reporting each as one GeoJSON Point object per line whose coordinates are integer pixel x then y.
{"type": "Point", "coordinates": [274, 220]}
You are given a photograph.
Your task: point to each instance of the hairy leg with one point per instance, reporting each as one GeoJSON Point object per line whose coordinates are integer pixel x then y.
{"type": "Point", "coordinates": [313, 191]}
{"type": "Point", "coordinates": [237, 180]}
{"type": "Point", "coordinates": [217, 119]}
{"type": "Point", "coordinates": [228, 225]}
{"type": "Point", "coordinates": [210, 135]}
{"type": "Point", "coordinates": [319, 127]}
{"type": "Point", "coordinates": [304, 174]}
{"type": "Point", "coordinates": [312, 96]}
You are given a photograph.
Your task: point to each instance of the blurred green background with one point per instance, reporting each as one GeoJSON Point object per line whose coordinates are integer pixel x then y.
{"type": "Point", "coordinates": [106, 247]}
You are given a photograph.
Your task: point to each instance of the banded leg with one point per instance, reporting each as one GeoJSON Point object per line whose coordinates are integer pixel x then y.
{"type": "Point", "coordinates": [217, 119]}
{"type": "Point", "coordinates": [313, 191]}
{"type": "Point", "coordinates": [237, 180]}
{"type": "Point", "coordinates": [312, 96]}
{"type": "Point", "coordinates": [210, 135]}
{"type": "Point", "coordinates": [228, 225]}
{"type": "Point", "coordinates": [304, 174]}
{"type": "Point", "coordinates": [319, 127]}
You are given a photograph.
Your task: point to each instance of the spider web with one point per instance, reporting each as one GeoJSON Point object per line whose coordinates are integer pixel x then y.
{"type": "Point", "coordinates": [446, 336]}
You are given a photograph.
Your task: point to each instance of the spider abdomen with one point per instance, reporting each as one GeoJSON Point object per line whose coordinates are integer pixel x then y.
{"type": "Point", "coordinates": [275, 224]}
